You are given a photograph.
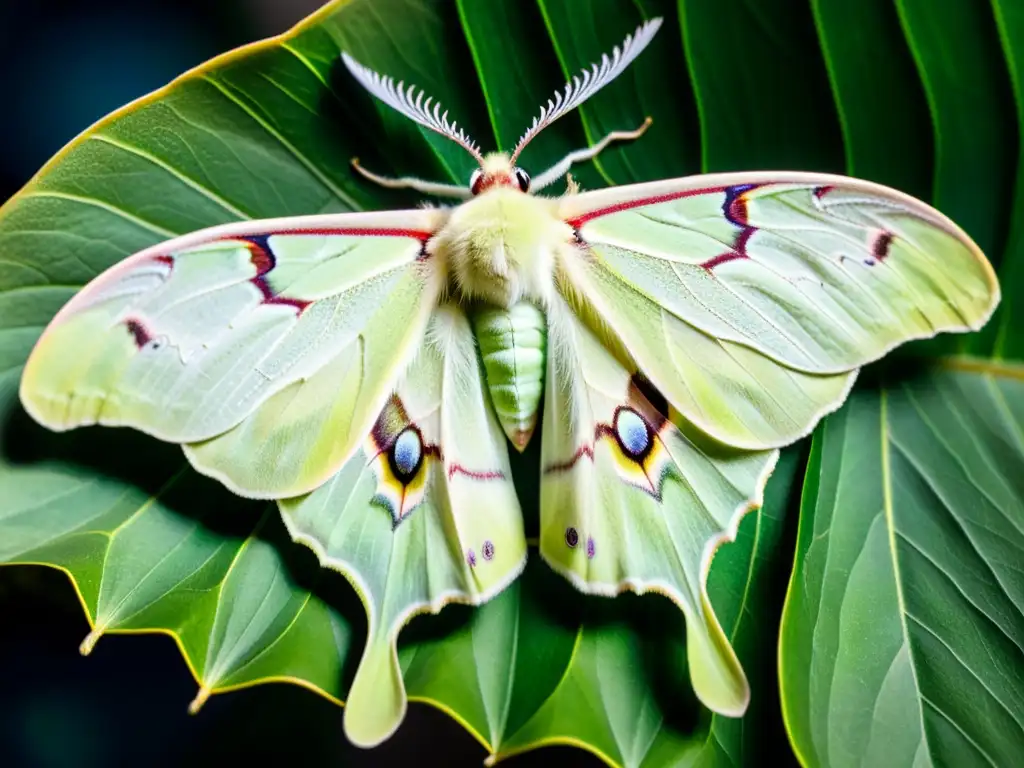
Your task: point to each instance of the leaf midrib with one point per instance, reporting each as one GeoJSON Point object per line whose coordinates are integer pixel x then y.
{"type": "Point", "coordinates": [989, 369]}
{"type": "Point", "coordinates": [890, 525]}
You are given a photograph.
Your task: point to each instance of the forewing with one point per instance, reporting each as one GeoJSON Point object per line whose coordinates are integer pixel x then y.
{"type": "Point", "coordinates": [231, 330]}
{"type": "Point", "coordinates": [633, 497]}
{"type": "Point", "coordinates": [714, 278]}
{"type": "Point", "coordinates": [821, 273]}
{"type": "Point", "coordinates": [423, 515]}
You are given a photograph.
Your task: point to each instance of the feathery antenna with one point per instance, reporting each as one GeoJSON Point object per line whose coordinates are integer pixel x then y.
{"type": "Point", "coordinates": [409, 101]}
{"type": "Point", "coordinates": [593, 79]}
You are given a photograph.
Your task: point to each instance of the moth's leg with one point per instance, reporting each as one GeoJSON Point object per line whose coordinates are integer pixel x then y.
{"type": "Point", "coordinates": [560, 168]}
{"type": "Point", "coordinates": [407, 182]}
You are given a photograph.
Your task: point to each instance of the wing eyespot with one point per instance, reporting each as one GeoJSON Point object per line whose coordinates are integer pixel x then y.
{"type": "Point", "coordinates": [633, 434]}
{"type": "Point", "coordinates": [406, 455]}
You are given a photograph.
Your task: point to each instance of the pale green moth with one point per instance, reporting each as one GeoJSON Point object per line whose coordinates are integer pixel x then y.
{"type": "Point", "coordinates": [365, 369]}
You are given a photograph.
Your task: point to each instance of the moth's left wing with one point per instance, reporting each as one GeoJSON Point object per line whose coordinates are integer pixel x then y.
{"type": "Point", "coordinates": [423, 514]}
{"type": "Point", "coordinates": [265, 347]}
{"type": "Point", "coordinates": [633, 497]}
{"type": "Point", "coordinates": [750, 300]}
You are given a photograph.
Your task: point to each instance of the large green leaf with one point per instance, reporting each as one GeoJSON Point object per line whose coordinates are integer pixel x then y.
{"type": "Point", "coordinates": [755, 115]}
{"type": "Point", "coordinates": [970, 101]}
{"type": "Point", "coordinates": [870, 68]}
{"type": "Point", "coordinates": [1007, 343]}
{"type": "Point", "coordinates": [901, 639]}
{"type": "Point", "coordinates": [151, 546]}
{"type": "Point", "coordinates": [903, 635]}
{"type": "Point", "coordinates": [972, 112]}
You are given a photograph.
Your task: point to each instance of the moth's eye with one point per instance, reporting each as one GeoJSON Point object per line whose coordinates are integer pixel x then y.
{"type": "Point", "coordinates": [523, 178]}
{"type": "Point", "coordinates": [474, 181]}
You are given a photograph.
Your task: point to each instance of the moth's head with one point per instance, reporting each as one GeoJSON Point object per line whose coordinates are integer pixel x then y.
{"type": "Point", "coordinates": [496, 170]}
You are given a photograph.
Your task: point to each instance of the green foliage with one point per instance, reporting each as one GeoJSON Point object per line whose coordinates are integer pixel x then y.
{"type": "Point", "coordinates": [903, 626]}
{"type": "Point", "coordinates": [903, 641]}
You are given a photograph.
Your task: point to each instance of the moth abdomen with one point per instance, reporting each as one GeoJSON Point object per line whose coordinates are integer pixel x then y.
{"type": "Point", "coordinates": [513, 345]}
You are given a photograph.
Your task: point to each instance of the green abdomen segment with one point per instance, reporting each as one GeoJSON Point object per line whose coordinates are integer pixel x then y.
{"type": "Point", "coordinates": [513, 343]}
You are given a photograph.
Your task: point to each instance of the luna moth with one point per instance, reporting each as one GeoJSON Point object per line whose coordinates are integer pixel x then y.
{"type": "Point", "coordinates": [369, 370]}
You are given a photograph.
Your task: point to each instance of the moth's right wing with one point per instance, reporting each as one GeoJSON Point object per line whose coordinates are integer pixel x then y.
{"type": "Point", "coordinates": [633, 497]}
{"type": "Point", "coordinates": [751, 300]}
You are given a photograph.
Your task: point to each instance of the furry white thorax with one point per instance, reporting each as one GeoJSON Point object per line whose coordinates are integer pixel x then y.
{"type": "Point", "coordinates": [502, 246]}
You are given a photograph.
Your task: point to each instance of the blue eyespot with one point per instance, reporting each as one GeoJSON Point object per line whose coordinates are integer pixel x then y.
{"type": "Point", "coordinates": [632, 432]}
{"type": "Point", "coordinates": [407, 452]}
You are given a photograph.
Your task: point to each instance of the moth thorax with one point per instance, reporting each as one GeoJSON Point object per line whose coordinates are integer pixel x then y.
{"type": "Point", "coordinates": [501, 246]}
{"type": "Point", "coordinates": [513, 343]}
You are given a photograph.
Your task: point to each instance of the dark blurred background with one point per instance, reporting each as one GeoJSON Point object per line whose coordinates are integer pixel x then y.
{"type": "Point", "coordinates": [63, 65]}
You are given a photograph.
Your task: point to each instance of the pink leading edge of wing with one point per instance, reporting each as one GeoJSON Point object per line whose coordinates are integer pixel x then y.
{"type": "Point", "coordinates": [414, 234]}
{"type": "Point", "coordinates": [734, 207]}
{"type": "Point", "coordinates": [264, 259]}
{"type": "Point", "coordinates": [259, 238]}
{"type": "Point", "coordinates": [582, 219]}
{"type": "Point", "coordinates": [160, 253]}
{"type": "Point", "coordinates": [819, 192]}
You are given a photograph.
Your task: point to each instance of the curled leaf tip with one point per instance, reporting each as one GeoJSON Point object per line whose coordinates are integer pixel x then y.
{"type": "Point", "coordinates": [199, 700]}
{"type": "Point", "coordinates": [90, 641]}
